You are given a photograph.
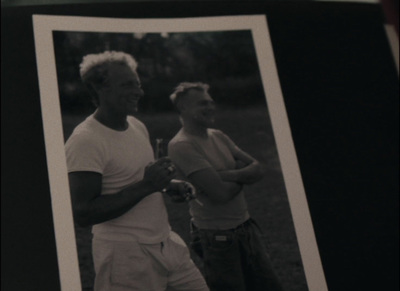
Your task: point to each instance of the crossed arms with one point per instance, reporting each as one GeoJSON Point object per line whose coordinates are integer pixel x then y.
{"type": "Point", "coordinates": [90, 207]}
{"type": "Point", "coordinates": [222, 186]}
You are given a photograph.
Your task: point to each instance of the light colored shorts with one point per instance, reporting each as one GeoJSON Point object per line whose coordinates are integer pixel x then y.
{"type": "Point", "coordinates": [130, 266]}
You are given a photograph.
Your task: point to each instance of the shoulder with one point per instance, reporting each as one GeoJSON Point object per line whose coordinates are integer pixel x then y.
{"type": "Point", "coordinates": [87, 148]}
{"type": "Point", "coordinates": [216, 133]}
{"type": "Point", "coordinates": [86, 133]}
{"type": "Point", "coordinates": [220, 136]}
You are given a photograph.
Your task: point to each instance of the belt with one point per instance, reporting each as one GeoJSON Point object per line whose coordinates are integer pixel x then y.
{"type": "Point", "coordinates": [242, 226]}
{"type": "Point", "coordinates": [239, 227]}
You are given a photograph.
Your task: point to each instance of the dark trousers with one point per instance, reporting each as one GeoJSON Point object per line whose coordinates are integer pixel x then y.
{"type": "Point", "coordinates": [236, 259]}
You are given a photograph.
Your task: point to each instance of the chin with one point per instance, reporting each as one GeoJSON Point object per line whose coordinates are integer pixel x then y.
{"type": "Point", "coordinates": [209, 124]}
{"type": "Point", "coordinates": [133, 111]}
{"type": "Point", "coordinates": [211, 121]}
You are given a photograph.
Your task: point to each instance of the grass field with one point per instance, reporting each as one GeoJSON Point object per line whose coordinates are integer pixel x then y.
{"type": "Point", "coordinates": [250, 129]}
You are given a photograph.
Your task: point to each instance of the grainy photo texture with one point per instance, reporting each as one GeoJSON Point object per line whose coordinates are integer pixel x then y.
{"type": "Point", "coordinates": [154, 126]}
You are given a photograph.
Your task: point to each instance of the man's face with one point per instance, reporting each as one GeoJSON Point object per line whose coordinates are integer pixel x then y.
{"type": "Point", "coordinates": [122, 91]}
{"type": "Point", "coordinates": [199, 108]}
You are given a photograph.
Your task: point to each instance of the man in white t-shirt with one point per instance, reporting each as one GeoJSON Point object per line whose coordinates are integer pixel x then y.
{"type": "Point", "coordinates": [116, 186]}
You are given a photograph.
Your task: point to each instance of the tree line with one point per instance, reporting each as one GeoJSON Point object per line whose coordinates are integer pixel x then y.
{"type": "Point", "coordinates": [226, 60]}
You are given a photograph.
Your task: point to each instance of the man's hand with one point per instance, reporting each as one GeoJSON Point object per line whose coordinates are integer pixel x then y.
{"type": "Point", "coordinates": [159, 173]}
{"type": "Point", "coordinates": [180, 191]}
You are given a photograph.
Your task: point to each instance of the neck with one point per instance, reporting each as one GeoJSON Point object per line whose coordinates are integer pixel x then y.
{"type": "Point", "coordinates": [110, 120]}
{"type": "Point", "coordinates": [195, 130]}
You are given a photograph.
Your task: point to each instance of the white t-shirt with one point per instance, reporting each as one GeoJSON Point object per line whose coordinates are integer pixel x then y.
{"type": "Point", "coordinates": [121, 157]}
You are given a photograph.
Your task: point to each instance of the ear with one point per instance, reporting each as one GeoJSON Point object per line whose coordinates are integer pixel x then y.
{"type": "Point", "coordinates": [97, 88]}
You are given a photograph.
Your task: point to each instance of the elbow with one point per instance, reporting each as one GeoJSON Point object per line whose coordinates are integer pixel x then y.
{"type": "Point", "coordinates": [81, 217]}
{"type": "Point", "coordinates": [258, 173]}
{"type": "Point", "coordinates": [259, 169]}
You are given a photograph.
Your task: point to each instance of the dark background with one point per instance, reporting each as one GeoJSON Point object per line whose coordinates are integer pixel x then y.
{"type": "Point", "coordinates": [340, 88]}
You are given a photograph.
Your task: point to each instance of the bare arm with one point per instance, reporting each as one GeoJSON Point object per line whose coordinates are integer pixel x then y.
{"type": "Point", "coordinates": [209, 183]}
{"type": "Point", "coordinates": [89, 207]}
{"type": "Point", "coordinates": [249, 171]}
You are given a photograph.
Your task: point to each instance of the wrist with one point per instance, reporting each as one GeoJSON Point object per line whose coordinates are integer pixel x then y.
{"type": "Point", "coordinates": [150, 187]}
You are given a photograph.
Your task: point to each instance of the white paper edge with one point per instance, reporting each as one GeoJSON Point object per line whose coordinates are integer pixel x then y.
{"type": "Point", "coordinates": [63, 222]}
{"type": "Point", "coordinates": [394, 43]}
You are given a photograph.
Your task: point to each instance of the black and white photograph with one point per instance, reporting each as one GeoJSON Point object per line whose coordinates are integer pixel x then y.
{"type": "Point", "coordinates": [170, 159]}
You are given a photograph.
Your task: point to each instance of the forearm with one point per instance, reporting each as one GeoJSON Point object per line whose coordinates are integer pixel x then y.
{"type": "Point", "coordinates": [246, 175]}
{"type": "Point", "coordinates": [105, 207]}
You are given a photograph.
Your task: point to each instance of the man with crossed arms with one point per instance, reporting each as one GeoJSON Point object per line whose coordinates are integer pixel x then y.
{"type": "Point", "coordinates": [223, 233]}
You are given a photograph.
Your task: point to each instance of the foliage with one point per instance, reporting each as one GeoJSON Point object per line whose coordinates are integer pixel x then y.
{"type": "Point", "coordinates": [224, 59]}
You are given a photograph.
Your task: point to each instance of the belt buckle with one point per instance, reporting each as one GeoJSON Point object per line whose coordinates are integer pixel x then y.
{"type": "Point", "coordinates": [219, 237]}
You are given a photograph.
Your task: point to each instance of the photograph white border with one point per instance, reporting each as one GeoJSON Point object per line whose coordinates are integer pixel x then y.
{"type": "Point", "coordinates": [44, 25]}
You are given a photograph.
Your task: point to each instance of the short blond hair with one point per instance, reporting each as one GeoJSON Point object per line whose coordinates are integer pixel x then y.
{"type": "Point", "coordinates": [94, 69]}
{"type": "Point", "coordinates": [93, 60]}
{"type": "Point", "coordinates": [184, 87]}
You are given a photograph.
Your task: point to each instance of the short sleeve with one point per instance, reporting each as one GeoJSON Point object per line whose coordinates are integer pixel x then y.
{"type": "Point", "coordinates": [187, 158]}
{"type": "Point", "coordinates": [85, 153]}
